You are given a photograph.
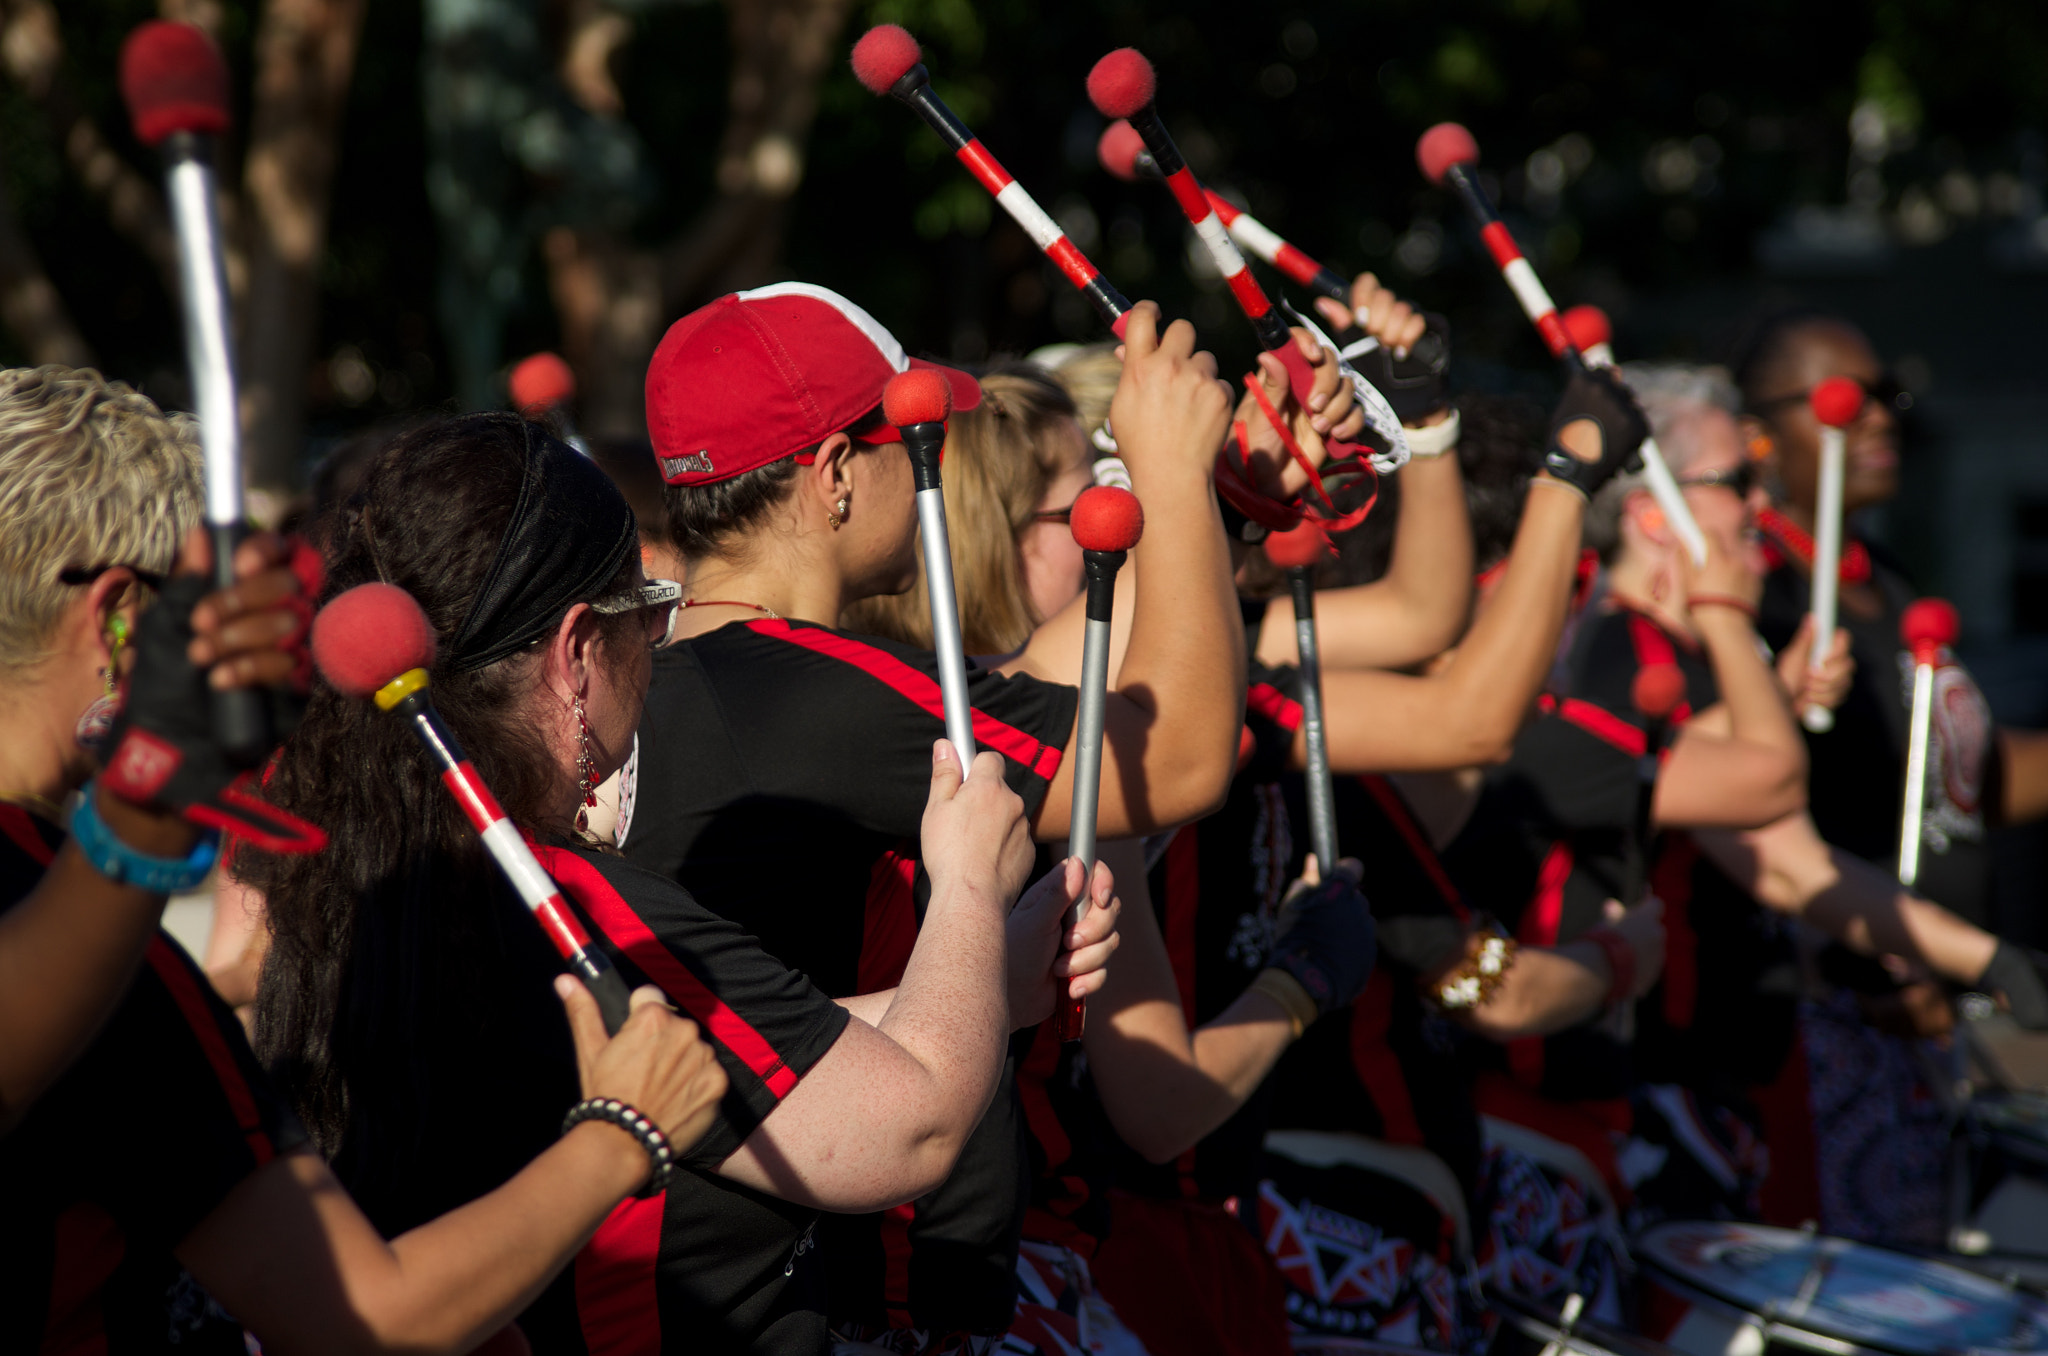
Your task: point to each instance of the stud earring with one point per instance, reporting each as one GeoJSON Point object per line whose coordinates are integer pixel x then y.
{"type": "Point", "coordinates": [1760, 446]}
{"type": "Point", "coordinates": [586, 770]}
{"type": "Point", "coordinates": [836, 519]}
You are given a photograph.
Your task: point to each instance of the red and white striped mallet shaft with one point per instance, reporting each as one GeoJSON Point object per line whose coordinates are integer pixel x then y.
{"type": "Point", "coordinates": [1927, 627]}
{"type": "Point", "coordinates": [917, 403]}
{"type": "Point", "coordinates": [1592, 334]}
{"type": "Point", "coordinates": [1121, 151]}
{"type": "Point", "coordinates": [1122, 85]}
{"type": "Point", "coordinates": [888, 61]}
{"type": "Point", "coordinates": [1448, 154]}
{"type": "Point", "coordinates": [541, 386]}
{"type": "Point", "coordinates": [1836, 402]}
{"type": "Point", "coordinates": [1298, 551]}
{"type": "Point", "coordinates": [1107, 522]}
{"type": "Point", "coordinates": [374, 641]}
{"type": "Point", "coordinates": [175, 83]}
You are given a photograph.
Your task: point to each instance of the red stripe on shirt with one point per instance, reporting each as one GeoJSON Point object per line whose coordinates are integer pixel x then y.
{"type": "Point", "coordinates": [20, 827]}
{"type": "Point", "coordinates": [1263, 699]}
{"type": "Point", "coordinates": [920, 688]}
{"type": "Point", "coordinates": [1539, 927]}
{"type": "Point", "coordinates": [888, 931]}
{"type": "Point", "coordinates": [896, 1253]}
{"type": "Point", "coordinates": [1604, 725]}
{"type": "Point", "coordinates": [1396, 811]}
{"type": "Point", "coordinates": [184, 989]}
{"type": "Point", "coordinates": [616, 1302]}
{"type": "Point", "coordinates": [86, 1248]}
{"type": "Point", "coordinates": [1376, 1064]}
{"type": "Point", "coordinates": [627, 931]}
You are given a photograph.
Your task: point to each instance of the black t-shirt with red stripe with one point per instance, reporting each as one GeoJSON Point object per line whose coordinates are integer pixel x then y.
{"type": "Point", "coordinates": [783, 774]}
{"type": "Point", "coordinates": [1553, 838]}
{"type": "Point", "coordinates": [711, 1265]}
{"type": "Point", "coordinates": [135, 1144]}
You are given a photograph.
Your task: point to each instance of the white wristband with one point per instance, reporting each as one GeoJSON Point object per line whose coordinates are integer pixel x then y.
{"type": "Point", "coordinates": [1434, 440]}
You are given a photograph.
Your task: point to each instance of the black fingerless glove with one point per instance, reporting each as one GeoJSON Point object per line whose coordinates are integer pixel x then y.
{"type": "Point", "coordinates": [1413, 385]}
{"type": "Point", "coordinates": [1598, 395]}
{"type": "Point", "coordinates": [1330, 946]}
{"type": "Point", "coordinates": [164, 749]}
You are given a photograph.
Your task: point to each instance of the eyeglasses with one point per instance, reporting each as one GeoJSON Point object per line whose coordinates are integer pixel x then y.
{"type": "Point", "coordinates": [86, 574]}
{"type": "Point", "coordinates": [1886, 390]}
{"type": "Point", "coordinates": [666, 594]}
{"type": "Point", "coordinates": [1741, 479]}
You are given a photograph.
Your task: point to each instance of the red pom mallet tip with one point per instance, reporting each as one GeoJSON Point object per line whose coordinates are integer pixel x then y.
{"type": "Point", "coordinates": [540, 383]}
{"type": "Point", "coordinates": [1588, 326]}
{"type": "Point", "coordinates": [1119, 149]}
{"type": "Point", "coordinates": [174, 80]}
{"type": "Point", "coordinates": [1929, 624]}
{"type": "Point", "coordinates": [369, 635]}
{"type": "Point", "coordinates": [1657, 690]}
{"type": "Point", "coordinates": [1298, 547]}
{"type": "Point", "coordinates": [884, 54]}
{"type": "Point", "coordinates": [1837, 401]}
{"type": "Point", "coordinates": [1442, 146]}
{"type": "Point", "coordinates": [1107, 518]}
{"type": "Point", "coordinates": [1122, 83]}
{"type": "Point", "coordinates": [919, 396]}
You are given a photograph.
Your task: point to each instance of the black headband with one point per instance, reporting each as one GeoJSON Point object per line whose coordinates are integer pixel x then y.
{"type": "Point", "coordinates": [570, 533]}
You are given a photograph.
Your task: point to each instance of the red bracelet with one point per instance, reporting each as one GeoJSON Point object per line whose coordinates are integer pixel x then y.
{"type": "Point", "coordinates": [1621, 962]}
{"type": "Point", "coordinates": [1722, 600]}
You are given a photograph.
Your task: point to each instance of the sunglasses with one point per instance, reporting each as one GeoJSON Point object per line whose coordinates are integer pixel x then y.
{"type": "Point", "coordinates": [85, 574]}
{"type": "Point", "coordinates": [1886, 390]}
{"type": "Point", "coordinates": [665, 594]}
{"type": "Point", "coordinates": [1741, 479]}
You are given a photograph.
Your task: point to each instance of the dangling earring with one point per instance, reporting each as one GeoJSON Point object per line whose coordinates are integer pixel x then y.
{"type": "Point", "coordinates": [117, 637]}
{"type": "Point", "coordinates": [98, 721]}
{"type": "Point", "coordinates": [586, 771]}
{"type": "Point", "coordinates": [840, 517]}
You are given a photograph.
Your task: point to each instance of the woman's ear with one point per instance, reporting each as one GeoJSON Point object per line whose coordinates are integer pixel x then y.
{"type": "Point", "coordinates": [831, 474]}
{"type": "Point", "coordinates": [1756, 438]}
{"type": "Point", "coordinates": [572, 653]}
{"type": "Point", "coordinates": [112, 602]}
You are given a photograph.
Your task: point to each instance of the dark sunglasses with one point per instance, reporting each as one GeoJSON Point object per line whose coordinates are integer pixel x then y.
{"type": "Point", "coordinates": [85, 574]}
{"type": "Point", "coordinates": [1886, 391]}
{"type": "Point", "coordinates": [1741, 479]}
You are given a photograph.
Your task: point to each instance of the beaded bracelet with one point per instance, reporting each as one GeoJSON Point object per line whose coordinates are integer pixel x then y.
{"type": "Point", "coordinates": [1489, 956]}
{"type": "Point", "coordinates": [614, 1112]}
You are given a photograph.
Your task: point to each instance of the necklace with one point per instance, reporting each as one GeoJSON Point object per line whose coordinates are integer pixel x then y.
{"type": "Point", "coordinates": [43, 805]}
{"type": "Point", "coordinates": [730, 602]}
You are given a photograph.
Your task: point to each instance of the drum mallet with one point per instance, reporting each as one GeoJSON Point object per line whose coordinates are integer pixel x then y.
{"type": "Point", "coordinates": [1448, 154]}
{"type": "Point", "coordinates": [1106, 523]}
{"type": "Point", "coordinates": [374, 641]}
{"type": "Point", "coordinates": [176, 86]}
{"type": "Point", "coordinates": [1298, 551]}
{"type": "Point", "coordinates": [1836, 402]}
{"type": "Point", "coordinates": [541, 387]}
{"type": "Point", "coordinates": [1927, 627]}
{"type": "Point", "coordinates": [917, 403]}
{"type": "Point", "coordinates": [1591, 334]}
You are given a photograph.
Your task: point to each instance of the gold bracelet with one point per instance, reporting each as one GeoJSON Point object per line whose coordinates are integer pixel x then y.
{"type": "Point", "coordinates": [1286, 990]}
{"type": "Point", "coordinates": [1489, 955]}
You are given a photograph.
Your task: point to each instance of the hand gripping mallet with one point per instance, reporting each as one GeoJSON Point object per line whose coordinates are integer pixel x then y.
{"type": "Point", "coordinates": [1836, 403]}
{"type": "Point", "coordinates": [1927, 627]}
{"type": "Point", "coordinates": [374, 641]}
{"type": "Point", "coordinates": [887, 60]}
{"type": "Point", "coordinates": [1107, 523]}
{"type": "Point", "coordinates": [541, 387]}
{"type": "Point", "coordinates": [917, 403]}
{"type": "Point", "coordinates": [1298, 551]}
{"type": "Point", "coordinates": [176, 87]}
{"type": "Point", "coordinates": [1448, 154]}
{"type": "Point", "coordinates": [1122, 152]}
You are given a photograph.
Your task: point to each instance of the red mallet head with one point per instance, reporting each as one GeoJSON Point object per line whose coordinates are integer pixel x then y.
{"type": "Point", "coordinates": [884, 55]}
{"type": "Point", "coordinates": [1122, 83]}
{"type": "Point", "coordinates": [1928, 625]}
{"type": "Point", "coordinates": [1298, 547]}
{"type": "Point", "coordinates": [174, 80]}
{"type": "Point", "coordinates": [540, 383]}
{"type": "Point", "coordinates": [1657, 690]}
{"type": "Point", "coordinates": [919, 396]}
{"type": "Point", "coordinates": [1836, 402]}
{"type": "Point", "coordinates": [1442, 146]}
{"type": "Point", "coordinates": [1588, 327]}
{"type": "Point", "coordinates": [1107, 518]}
{"type": "Point", "coordinates": [369, 635]}
{"type": "Point", "coordinates": [1119, 149]}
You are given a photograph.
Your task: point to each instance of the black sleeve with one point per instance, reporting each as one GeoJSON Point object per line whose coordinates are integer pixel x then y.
{"type": "Point", "coordinates": [769, 1024]}
{"type": "Point", "coordinates": [1580, 781]}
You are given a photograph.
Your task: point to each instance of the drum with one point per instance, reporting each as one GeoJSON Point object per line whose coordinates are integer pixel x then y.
{"type": "Point", "coordinates": [2003, 1184]}
{"type": "Point", "coordinates": [1718, 1289]}
{"type": "Point", "coordinates": [1529, 1328]}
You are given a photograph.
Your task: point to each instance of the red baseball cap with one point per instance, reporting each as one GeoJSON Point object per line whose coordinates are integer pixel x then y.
{"type": "Point", "coordinates": [758, 376]}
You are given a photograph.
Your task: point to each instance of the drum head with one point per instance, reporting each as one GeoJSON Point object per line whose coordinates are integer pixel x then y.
{"type": "Point", "coordinates": [1845, 1290]}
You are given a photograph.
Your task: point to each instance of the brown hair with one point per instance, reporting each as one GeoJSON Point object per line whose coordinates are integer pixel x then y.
{"type": "Point", "coordinates": [1000, 458]}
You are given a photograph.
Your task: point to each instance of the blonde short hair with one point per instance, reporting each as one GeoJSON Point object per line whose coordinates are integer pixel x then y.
{"type": "Point", "coordinates": [91, 473]}
{"type": "Point", "coordinates": [1090, 375]}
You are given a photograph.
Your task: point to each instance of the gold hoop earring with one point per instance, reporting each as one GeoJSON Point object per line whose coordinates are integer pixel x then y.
{"type": "Point", "coordinates": [836, 519]}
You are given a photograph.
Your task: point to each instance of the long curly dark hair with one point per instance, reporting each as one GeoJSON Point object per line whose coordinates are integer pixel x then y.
{"type": "Point", "coordinates": [392, 931]}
